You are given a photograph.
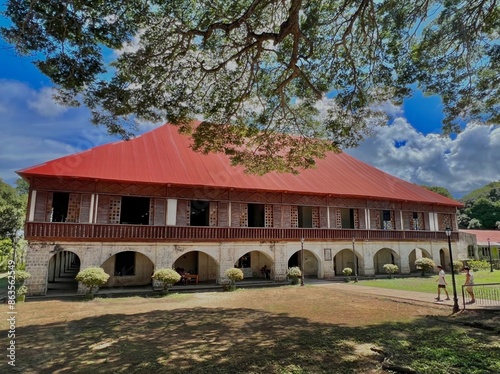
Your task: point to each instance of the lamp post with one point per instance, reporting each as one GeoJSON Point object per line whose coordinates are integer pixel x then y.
{"type": "Point", "coordinates": [491, 259]}
{"type": "Point", "coordinates": [302, 261]}
{"type": "Point", "coordinates": [455, 298]}
{"type": "Point", "coordinates": [15, 239]}
{"type": "Point", "coordinates": [355, 261]}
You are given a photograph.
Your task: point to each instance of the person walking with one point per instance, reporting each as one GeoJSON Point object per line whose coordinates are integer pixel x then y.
{"type": "Point", "coordinates": [469, 282]}
{"type": "Point", "coordinates": [441, 284]}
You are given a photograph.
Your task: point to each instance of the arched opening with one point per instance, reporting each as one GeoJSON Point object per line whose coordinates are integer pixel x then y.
{"type": "Point", "coordinates": [311, 263]}
{"type": "Point", "coordinates": [199, 266]}
{"type": "Point", "coordinates": [415, 255]}
{"type": "Point", "coordinates": [345, 259]}
{"type": "Point", "coordinates": [385, 256]}
{"type": "Point", "coordinates": [62, 270]}
{"type": "Point", "coordinates": [128, 268]}
{"type": "Point", "coordinates": [256, 264]}
{"type": "Point", "coordinates": [444, 258]}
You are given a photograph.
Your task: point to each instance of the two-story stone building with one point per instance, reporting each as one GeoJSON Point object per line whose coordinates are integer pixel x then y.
{"type": "Point", "coordinates": [151, 202]}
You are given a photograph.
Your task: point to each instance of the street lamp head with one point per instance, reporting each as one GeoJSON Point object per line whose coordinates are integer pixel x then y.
{"type": "Point", "coordinates": [302, 240]}
{"type": "Point", "coordinates": [447, 231]}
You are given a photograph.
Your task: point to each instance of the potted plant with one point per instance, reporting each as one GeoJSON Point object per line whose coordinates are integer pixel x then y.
{"type": "Point", "coordinates": [294, 273]}
{"type": "Point", "coordinates": [21, 293]}
{"type": "Point", "coordinates": [347, 272]}
{"type": "Point", "coordinates": [21, 276]}
{"type": "Point", "coordinates": [390, 269]}
{"type": "Point", "coordinates": [233, 274]}
{"type": "Point", "coordinates": [167, 277]}
{"type": "Point", "coordinates": [92, 279]}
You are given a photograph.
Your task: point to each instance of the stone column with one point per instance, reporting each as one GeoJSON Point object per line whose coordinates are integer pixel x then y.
{"type": "Point", "coordinates": [37, 264]}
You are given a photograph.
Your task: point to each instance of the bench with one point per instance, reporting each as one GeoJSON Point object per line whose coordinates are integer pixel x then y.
{"type": "Point", "coordinates": [191, 277]}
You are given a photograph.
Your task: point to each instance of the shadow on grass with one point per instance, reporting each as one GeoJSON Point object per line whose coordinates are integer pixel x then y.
{"type": "Point", "coordinates": [202, 340]}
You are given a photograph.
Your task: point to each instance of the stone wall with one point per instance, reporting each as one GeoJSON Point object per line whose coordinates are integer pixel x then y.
{"type": "Point", "coordinates": [215, 258]}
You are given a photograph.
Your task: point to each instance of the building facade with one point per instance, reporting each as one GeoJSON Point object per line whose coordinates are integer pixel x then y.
{"type": "Point", "coordinates": [135, 206]}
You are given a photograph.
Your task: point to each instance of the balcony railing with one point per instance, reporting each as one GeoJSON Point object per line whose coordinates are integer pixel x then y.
{"type": "Point", "coordinates": [99, 232]}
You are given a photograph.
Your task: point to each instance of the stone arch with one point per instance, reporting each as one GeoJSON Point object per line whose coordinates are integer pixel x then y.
{"type": "Point", "coordinates": [128, 267]}
{"type": "Point", "coordinates": [444, 259]}
{"type": "Point", "coordinates": [385, 256]}
{"type": "Point", "coordinates": [312, 262]}
{"type": "Point", "coordinates": [63, 266]}
{"type": "Point", "coordinates": [199, 262]}
{"type": "Point", "coordinates": [416, 254]}
{"type": "Point", "coordinates": [252, 261]}
{"type": "Point", "coordinates": [345, 259]}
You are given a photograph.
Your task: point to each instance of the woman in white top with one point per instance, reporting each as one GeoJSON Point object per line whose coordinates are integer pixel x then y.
{"type": "Point", "coordinates": [469, 281]}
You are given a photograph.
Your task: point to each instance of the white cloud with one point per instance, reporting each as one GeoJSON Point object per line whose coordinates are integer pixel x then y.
{"type": "Point", "coordinates": [45, 105]}
{"type": "Point", "coordinates": [30, 138]}
{"type": "Point", "coordinates": [461, 165]}
{"type": "Point", "coordinates": [389, 108]}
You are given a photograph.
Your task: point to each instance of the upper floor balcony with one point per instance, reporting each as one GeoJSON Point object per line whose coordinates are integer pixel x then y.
{"type": "Point", "coordinates": [56, 231]}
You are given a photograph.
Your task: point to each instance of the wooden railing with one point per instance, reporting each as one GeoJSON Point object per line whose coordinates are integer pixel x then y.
{"type": "Point", "coordinates": [99, 232]}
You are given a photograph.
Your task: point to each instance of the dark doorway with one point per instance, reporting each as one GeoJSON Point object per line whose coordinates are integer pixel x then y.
{"type": "Point", "coordinates": [135, 210]}
{"type": "Point", "coordinates": [256, 215]}
{"type": "Point", "coordinates": [200, 213]}
{"type": "Point", "coordinates": [125, 263]}
{"type": "Point", "coordinates": [244, 261]}
{"type": "Point", "coordinates": [60, 203]}
{"type": "Point", "coordinates": [305, 216]}
{"type": "Point", "coordinates": [294, 260]}
{"type": "Point", "coordinates": [347, 216]}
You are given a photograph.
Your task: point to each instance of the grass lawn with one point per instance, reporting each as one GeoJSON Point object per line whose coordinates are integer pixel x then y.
{"type": "Point", "coordinates": [281, 330]}
{"type": "Point", "coordinates": [428, 283]}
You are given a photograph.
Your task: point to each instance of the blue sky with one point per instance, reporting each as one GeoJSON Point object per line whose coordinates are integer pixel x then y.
{"type": "Point", "coordinates": [36, 129]}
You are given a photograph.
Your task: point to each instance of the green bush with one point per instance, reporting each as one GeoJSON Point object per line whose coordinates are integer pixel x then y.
{"type": "Point", "coordinates": [390, 269]}
{"type": "Point", "coordinates": [92, 278]}
{"type": "Point", "coordinates": [166, 277]}
{"type": "Point", "coordinates": [21, 276]}
{"type": "Point", "coordinates": [294, 273]}
{"type": "Point", "coordinates": [458, 266]}
{"type": "Point", "coordinates": [347, 272]}
{"type": "Point", "coordinates": [23, 290]}
{"type": "Point", "coordinates": [478, 265]}
{"type": "Point", "coordinates": [425, 265]}
{"type": "Point", "coordinates": [234, 274]}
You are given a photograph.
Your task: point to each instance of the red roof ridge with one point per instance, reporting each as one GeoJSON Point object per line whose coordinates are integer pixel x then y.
{"type": "Point", "coordinates": [163, 156]}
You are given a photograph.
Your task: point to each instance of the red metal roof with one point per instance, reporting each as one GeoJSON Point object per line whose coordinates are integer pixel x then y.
{"type": "Point", "coordinates": [164, 156]}
{"type": "Point", "coordinates": [482, 236]}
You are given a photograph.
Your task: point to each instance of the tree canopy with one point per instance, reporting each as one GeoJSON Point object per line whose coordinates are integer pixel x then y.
{"type": "Point", "coordinates": [482, 208]}
{"type": "Point", "coordinates": [276, 83]}
{"type": "Point", "coordinates": [440, 190]}
{"type": "Point", "coordinates": [12, 209]}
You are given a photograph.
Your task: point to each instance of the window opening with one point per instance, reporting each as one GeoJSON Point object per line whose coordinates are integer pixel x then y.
{"type": "Point", "coordinates": [305, 216]}
{"type": "Point", "coordinates": [60, 203]}
{"type": "Point", "coordinates": [200, 213]}
{"type": "Point", "coordinates": [256, 215]}
{"type": "Point", "coordinates": [386, 220]}
{"type": "Point", "coordinates": [135, 210]}
{"type": "Point", "coordinates": [347, 216]}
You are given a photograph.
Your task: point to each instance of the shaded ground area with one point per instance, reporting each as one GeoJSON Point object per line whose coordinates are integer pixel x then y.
{"type": "Point", "coordinates": [276, 330]}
